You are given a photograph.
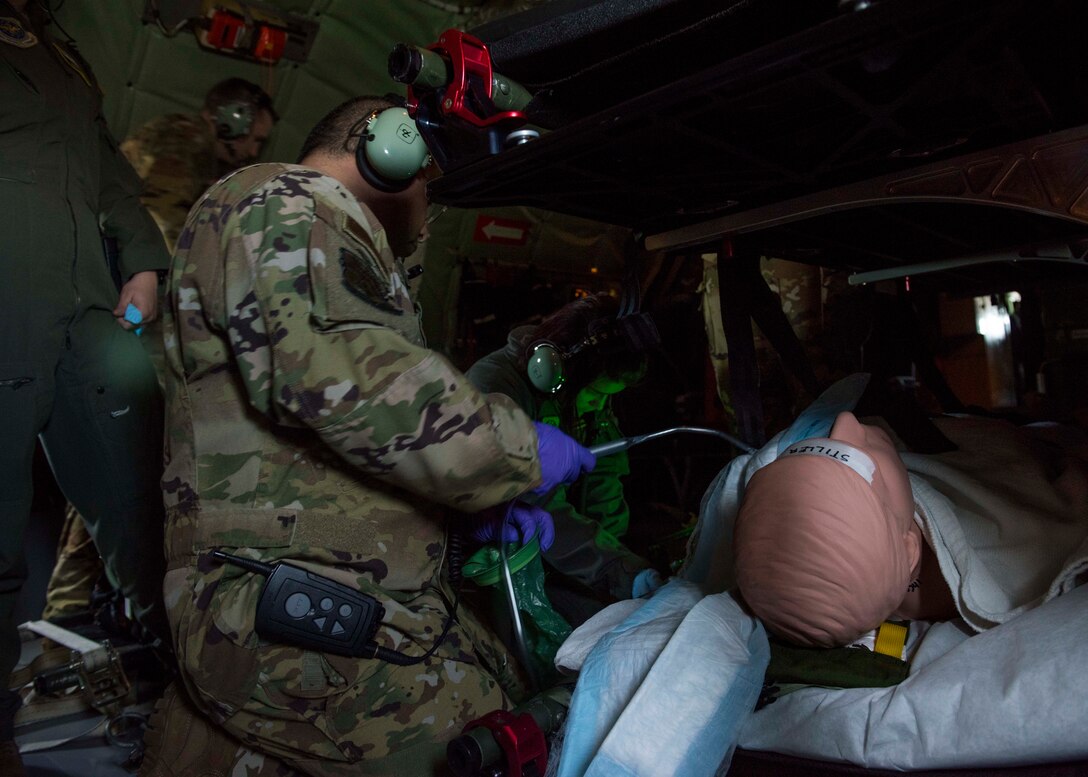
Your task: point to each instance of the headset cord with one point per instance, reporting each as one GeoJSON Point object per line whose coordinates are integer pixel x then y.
{"type": "Point", "coordinates": [455, 553]}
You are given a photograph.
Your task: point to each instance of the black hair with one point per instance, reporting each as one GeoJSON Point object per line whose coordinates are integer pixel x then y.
{"type": "Point", "coordinates": [233, 90]}
{"type": "Point", "coordinates": [338, 132]}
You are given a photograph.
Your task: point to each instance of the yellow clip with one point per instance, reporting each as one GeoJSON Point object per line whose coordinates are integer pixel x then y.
{"type": "Point", "coordinates": [891, 638]}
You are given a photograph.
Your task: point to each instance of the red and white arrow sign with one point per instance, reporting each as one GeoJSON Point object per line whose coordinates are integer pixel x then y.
{"type": "Point", "coordinates": [492, 229]}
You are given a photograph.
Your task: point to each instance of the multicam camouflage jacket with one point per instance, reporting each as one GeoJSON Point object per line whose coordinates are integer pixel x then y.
{"type": "Point", "coordinates": [174, 155]}
{"type": "Point", "coordinates": [305, 418]}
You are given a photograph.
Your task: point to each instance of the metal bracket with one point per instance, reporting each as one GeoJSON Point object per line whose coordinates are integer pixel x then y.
{"type": "Point", "coordinates": [1044, 175]}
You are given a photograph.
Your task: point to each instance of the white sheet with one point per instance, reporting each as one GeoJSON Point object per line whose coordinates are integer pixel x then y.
{"type": "Point", "coordinates": [1006, 515]}
{"type": "Point", "coordinates": [1012, 695]}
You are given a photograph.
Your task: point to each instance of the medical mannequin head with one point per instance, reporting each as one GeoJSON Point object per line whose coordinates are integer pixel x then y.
{"type": "Point", "coordinates": [825, 541]}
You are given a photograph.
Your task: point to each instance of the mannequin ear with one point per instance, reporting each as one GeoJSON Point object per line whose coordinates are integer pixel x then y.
{"type": "Point", "coordinates": [912, 538]}
{"type": "Point", "coordinates": [848, 429]}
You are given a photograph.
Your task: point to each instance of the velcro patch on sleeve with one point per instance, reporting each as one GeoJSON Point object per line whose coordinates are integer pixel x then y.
{"type": "Point", "coordinates": [364, 277]}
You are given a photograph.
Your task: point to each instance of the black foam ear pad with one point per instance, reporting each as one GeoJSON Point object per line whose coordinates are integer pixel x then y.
{"type": "Point", "coordinates": [640, 332]}
{"type": "Point", "coordinates": [371, 176]}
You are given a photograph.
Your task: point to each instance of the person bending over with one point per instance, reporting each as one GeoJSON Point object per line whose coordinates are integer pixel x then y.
{"type": "Point", "coordinates": [591, 515]}
{"type": "Point", "coordinates": [309, 424]}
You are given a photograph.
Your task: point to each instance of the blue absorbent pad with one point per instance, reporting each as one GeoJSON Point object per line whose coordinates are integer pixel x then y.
{"type": "Point", "coordinates": [817, 418]}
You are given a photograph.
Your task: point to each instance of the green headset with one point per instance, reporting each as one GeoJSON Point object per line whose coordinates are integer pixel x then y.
{"type": "Point", "coordinates": [545, 369]}
{"type": "Point", "coordinates": [234, 119]}
{"type": "Point", "coordinates": [390, 152]}
{"type": "Point", "coordinates": [545, 365]}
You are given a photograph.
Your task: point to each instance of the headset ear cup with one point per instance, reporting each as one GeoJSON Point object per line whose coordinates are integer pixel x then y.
{"type": "Point", "coordinates": [370, 175]}
{"type": "Point", "coordinates": [390, 152]}
{"type": "Point", "coordinates": [544, 368]}
{"type": "Point", "coordinates": [233, 120]}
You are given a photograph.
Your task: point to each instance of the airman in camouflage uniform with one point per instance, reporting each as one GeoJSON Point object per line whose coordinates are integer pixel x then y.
{"type": "Point", "coordinates": [308, 422]}
{"type": "Point", "coordinates": [807, 293]}
{"type": "Point", "coordinates": [178, 156]}
{"type": "Point", "coordinates": [175, 157]}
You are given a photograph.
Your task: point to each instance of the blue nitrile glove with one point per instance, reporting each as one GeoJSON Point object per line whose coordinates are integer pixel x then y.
{"type": "Point", "coordinates": [134, 317]}
{"type": "Point", "coordinates": [645, 583]}
{"type": "Point", "coordinates": [526, 521]}
{"type": "Point", "coordinates": [562, 459]}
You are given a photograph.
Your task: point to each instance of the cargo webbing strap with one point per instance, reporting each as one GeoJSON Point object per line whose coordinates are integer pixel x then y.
{"type": "Point", "coordinates": [102, 683]}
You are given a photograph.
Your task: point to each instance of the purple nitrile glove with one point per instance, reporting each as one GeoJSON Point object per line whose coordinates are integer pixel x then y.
{"type": "Point", "coordinates": [525, 522]}
{"type": "Point", "coordinates": [562, 459]}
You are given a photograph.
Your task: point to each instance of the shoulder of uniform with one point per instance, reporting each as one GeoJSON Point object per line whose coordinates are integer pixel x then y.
{"type": "Point", "coordinates": [303, 180]}
{"type": "Point", "coordinates": [312, 195]}
{"type": "Point", "coordinates": [334, 204]}
{"type": "Point", "coordinates": [270, 183]}
{"type": "Point", "coordinates": [69, 52]}
{"type": "Point", "coordinates": [182, 123]}
{"type": "Point", "coordinates": [172, 131]}
{"type": "Point", "coordinates": [328, 191]}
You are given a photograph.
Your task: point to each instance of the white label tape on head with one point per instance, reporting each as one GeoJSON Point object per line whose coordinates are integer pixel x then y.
{"type": "Point", "coordinates": [836, 450]}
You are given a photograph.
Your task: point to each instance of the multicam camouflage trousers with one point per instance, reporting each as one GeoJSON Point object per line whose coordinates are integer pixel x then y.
{"type": "Point", "coordinates": [328, 715]}
{"type": "Point", "coordinates": [77, 570]}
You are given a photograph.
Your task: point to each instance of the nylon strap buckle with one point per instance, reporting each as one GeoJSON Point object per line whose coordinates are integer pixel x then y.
{"type": "Point", "coordinates": [94, 668]}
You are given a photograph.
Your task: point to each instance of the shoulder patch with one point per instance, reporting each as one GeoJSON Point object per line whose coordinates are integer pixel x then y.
{"type": "Point", "coordinates": [366, 279]}
{"type": "Point", "coordinates": [13, 32]}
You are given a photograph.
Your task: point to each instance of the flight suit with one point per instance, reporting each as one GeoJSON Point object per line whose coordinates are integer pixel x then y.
{"type": "Point", "coordinates": [174, 156]}
{"type": "Point", "coordinates": [68, 372]}
{"type": "Point", "coordinates": [307, 422]}
{"type": "Point", "coordinates": [590, 515]}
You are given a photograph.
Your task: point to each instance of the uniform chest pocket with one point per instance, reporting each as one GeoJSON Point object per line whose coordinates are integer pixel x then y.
{"type": "Point", "coordinates": [19, 130]}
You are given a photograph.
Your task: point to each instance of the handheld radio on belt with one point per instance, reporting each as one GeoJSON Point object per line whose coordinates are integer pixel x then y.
{"type": "Point", "coordinates": [311, 611]}
{"type": "Point", "coordinates": [298, 607]}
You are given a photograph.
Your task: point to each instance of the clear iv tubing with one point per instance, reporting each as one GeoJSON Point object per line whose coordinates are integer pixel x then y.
{"type": "Point", "coordinates": [622, 444]}
{"type": "Point", "coordinates": [604, 449]}
{"type": "Point", "coordinates": [512, 600]}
